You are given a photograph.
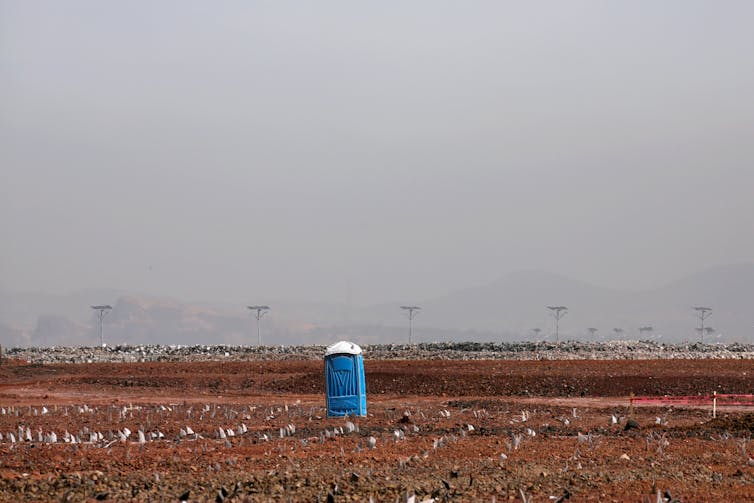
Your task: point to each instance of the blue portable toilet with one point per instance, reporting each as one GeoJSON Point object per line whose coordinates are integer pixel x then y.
{"type": "Point", "coordinates": [345, 386]}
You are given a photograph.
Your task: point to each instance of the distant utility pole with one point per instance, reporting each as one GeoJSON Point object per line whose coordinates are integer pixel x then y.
{"type": "Point", "coordinates": [592, 331]}
{"type": "Point", "coordinates": [702, 313]}
{"type": "Point", "coordinates": [412, 312]}
{"type": "Point", "coordinates": [536, 333]}
{"type": "Point", "coordinates": [102, 312]}
{"type": "Point", "coordinates": [618, 332]}
{"type": "Point", "coordinates": [645, 330]}
{"type": "Point", "coordinates": [707, 331]}
{"type": "Point", "coordinates": [557, 313]}
{"type": "Point", "coordinates": [260, 311]}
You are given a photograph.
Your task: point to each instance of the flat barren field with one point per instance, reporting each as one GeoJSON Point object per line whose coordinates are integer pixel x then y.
{"type": "Point", "coordinates": [442, 430]}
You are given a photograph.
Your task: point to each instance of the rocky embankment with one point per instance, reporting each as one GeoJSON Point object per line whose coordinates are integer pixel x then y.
{"type": "Point", "coordinates": [568, 350]}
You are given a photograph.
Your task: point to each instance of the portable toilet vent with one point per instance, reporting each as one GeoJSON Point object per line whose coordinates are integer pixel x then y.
{"type": "Point", "coordinates": [345, 386]}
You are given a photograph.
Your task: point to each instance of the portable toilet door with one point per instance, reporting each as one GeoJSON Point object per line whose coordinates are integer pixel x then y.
{"type": "Point", "coordinates": [345, 386]}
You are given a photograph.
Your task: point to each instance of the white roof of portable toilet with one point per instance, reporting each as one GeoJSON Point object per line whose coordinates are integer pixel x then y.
{"type": "Point", "coordinates": [343, 347]}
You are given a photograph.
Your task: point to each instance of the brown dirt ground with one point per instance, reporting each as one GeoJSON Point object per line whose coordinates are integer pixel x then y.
{"type": "Point", "coordinates": [537, 427]}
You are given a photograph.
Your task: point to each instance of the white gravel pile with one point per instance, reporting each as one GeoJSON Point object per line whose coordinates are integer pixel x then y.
{"type": "Point", "coordinates": [568, 350]}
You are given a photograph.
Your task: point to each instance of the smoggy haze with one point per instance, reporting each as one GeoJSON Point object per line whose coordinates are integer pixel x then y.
{"type": "Point", "coordinates": [371, 151]}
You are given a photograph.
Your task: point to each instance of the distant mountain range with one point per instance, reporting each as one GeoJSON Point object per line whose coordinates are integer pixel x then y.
{"type": "Point", "coordinates": [509, 308]}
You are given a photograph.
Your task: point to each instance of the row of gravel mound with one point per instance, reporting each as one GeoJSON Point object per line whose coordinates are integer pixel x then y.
{"type": "Point", "coordinates": [567, 350]}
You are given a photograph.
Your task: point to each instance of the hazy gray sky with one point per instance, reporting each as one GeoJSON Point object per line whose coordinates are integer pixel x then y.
{"type": "Point", "coordinates": [394, 150]}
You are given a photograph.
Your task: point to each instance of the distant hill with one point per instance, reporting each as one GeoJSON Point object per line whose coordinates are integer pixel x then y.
{"type": "Point", "coordinates": [515, 304]}
{"type": "Point", "coordinates": [507, 308]}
